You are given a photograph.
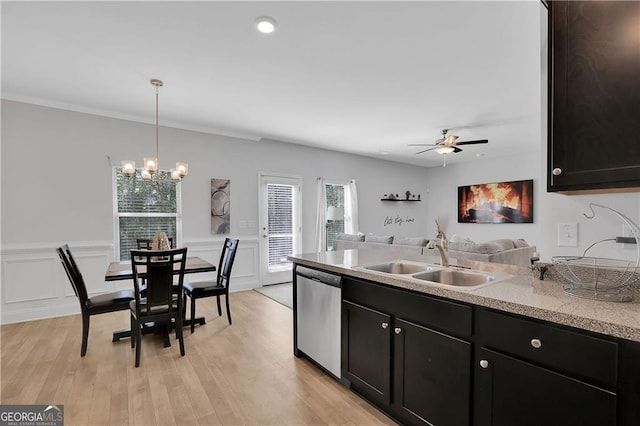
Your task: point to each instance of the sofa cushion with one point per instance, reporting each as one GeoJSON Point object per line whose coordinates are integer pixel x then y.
{"type": "Point", "coordinates": [406, 241]}
{"type": "Point", "coordinates": [384, 239]}
{"type": "Point", "coordinates": [350, 237]}
{"type": "Point", "coordinates": [488, 247]}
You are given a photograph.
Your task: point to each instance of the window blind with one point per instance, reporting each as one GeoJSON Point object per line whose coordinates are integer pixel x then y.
{"type": "Point", "coordinates": [143, 209]}
{"type": "Point", "coordinates": [280, 222]}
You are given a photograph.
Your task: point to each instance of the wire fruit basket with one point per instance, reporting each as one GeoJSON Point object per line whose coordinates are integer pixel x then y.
{"type": "Point", "coordinates": [601, 278]}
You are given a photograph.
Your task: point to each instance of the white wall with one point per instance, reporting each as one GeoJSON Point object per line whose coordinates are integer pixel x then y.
{"type": "Point", "coordinates": [65, 196]}
{"type": "Point", "coordinates": [443, 195]}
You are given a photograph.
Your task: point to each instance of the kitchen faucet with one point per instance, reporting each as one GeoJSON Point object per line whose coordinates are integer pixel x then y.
{"type": "Point", "coordinates": [442, 247]}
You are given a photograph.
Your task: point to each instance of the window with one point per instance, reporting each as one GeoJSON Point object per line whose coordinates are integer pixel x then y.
{"type": "Point", "coordinates": [144, 208]}
{"type": "Point", "coordinates": [341, 210]}
{"type": "Point", "coordinates": [335, 211]}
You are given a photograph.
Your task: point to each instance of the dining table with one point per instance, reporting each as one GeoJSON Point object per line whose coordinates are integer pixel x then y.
{"type": "Point", "coordinates": [121, 270]}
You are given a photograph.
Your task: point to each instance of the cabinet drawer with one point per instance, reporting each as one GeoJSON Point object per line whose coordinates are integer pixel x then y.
{"type": "Point", "coordinates": [442, 315]}
{"type": "Point", "coordinates": [573, 353]}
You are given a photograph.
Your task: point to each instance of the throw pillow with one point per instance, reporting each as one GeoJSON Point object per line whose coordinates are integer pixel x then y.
{"type": "Point", "coordinates": [415, 241]}
{"type": "Point", "coordinates": [350, 237]}
{"type": "Point", "coordinates": [383, 239]}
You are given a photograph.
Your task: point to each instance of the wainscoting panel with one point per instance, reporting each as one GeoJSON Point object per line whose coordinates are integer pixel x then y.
{"type": "Point", "coordinates": [35, 286]}
{"type": "Point", "coordinates": [28, 279]}
{"type": "Point", "coordinates": [245, 274]}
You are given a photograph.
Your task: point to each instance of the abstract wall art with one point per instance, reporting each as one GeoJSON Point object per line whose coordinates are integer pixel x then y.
{"type": "Point", "coordinates": [220, 206]}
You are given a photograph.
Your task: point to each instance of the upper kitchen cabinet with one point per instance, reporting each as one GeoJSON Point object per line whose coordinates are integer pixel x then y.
{"type": "Point", "coordinates": [594, 96]}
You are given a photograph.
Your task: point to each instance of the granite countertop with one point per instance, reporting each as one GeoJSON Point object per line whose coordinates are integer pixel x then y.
{"type": "Point", "coordinates": [521, 293]}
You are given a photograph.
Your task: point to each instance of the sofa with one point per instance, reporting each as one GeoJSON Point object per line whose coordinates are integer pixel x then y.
{"type": "Point", "coordinates": [507, 251]}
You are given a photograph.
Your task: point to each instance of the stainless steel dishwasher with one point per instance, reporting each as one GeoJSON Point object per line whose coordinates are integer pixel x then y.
{"type": "Point", "coordinates": [318, 302]}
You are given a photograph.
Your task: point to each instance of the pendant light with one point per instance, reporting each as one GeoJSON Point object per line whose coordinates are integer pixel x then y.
{"type": "Point", "coordinates": [150, 170]}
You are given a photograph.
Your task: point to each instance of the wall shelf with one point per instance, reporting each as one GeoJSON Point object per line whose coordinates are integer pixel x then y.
{"type": "Point", "coordinates": [396, 199]}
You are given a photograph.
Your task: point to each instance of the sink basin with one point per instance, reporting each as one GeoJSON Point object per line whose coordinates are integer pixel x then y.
{"type": "Point", "coordinates": [399, 267]}
{"type": "Point", "coordinates": [456, 278]}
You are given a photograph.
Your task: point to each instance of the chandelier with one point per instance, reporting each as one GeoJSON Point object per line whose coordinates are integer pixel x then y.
{"type": "Point", "coordinates": [150, 170]}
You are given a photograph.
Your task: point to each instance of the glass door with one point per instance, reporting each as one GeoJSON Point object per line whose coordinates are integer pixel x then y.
{"type": "Point", "coordinates": [280, 226]}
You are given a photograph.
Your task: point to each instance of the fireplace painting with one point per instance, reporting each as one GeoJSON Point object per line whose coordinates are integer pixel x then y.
{"type": "Point", "coordinates": [501, 202]}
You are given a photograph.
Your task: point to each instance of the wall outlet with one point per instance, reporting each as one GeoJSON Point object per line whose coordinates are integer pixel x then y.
{"type": "Point", "coordinates": [568, 234]}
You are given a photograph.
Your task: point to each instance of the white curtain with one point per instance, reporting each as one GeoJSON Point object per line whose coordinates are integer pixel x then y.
{"type": "Point", "coordinates": [351, 210]}
{"type": "Point", "coordinates": [321, 216]}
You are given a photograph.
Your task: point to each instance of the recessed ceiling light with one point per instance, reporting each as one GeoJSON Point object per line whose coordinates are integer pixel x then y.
{"type": "Point", "coordinates": [266, 24]}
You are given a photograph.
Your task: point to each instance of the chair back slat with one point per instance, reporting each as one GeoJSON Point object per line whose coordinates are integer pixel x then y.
{"type": "Point", "coordinates": [157, 269]}
{"type": "Point", "coordinates": [227, 258]}
{"type": "Point", "coordinates": [73, 273]}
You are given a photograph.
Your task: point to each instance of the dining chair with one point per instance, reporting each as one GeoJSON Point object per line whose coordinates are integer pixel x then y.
{"type": "Point", "coordinates": [160, 303]}
{"type": "Point", "coordinates": [219, 287]}
{"type": "Point", "coordinates": [99, 304]}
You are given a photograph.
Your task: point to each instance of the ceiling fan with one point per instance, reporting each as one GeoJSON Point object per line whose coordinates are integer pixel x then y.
{"type": "Point", "coordinates": [447, 144]}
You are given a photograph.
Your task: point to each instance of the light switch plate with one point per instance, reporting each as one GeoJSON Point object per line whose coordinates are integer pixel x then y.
{"type": "Point", "coordinates": [568, 234]}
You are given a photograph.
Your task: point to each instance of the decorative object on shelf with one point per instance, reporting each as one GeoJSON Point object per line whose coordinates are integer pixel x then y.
{"type": "Point", "coordinates": [220, 206]}
{"type": "Point", "coordinates": [395, 197]}
{"type": "Point", "coordinates": [600, 278]}
{"type": "Point", "coordinates": [501, 202]}
{"type": "Point", "coordinates": [150, 171]}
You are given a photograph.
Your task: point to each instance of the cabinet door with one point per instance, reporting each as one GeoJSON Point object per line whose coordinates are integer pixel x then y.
{"type": "Point", "coordinates": [432, 376]}
{"type": "Point", "coordinates": [595, 95]}
{"type": "Point", "coordinates": [512, 392]}
{"type": "Point", "coordinates": [366, 349]}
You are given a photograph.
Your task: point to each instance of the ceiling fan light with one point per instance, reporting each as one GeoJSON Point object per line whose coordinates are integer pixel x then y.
{"type": "Point", "coordinates": [444, 149]}
{"type": "Point", "coordinates": [450, 139]}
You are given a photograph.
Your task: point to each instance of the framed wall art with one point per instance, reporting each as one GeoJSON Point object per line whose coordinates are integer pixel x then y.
{"type": "Point", "coordinates": [220, 206]}
{"type": "Point", "coordinates": [500, 202]}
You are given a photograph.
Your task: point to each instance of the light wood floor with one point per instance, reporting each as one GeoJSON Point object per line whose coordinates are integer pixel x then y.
{"type": "Point", "coordinates": [240, 374]}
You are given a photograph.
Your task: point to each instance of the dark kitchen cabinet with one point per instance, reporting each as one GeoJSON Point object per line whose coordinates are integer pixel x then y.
{"type": "Point", "coordinates": [513, 392]}
{"type": "Point", "coordinates": [415, 371]}
{"type": "Point", "coordinates": [594, 95]}
{"type": "Point", "coordinates": [367, 346]}
{"type": "Point", "coordinates": [432, 375]}
{"type": "Point", "coordinates": [531, 373]}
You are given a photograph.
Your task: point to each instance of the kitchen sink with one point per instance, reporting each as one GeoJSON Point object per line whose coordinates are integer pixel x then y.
{"type": "Point", "coordinates": [456, 278]}
{"type": "Point", "coordinates": [399, 267]}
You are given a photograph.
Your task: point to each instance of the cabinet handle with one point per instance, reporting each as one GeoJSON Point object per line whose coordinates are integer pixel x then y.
{"type": "Point", "coordinates": [484, 363]}
{"type": "Point", "coordinates": [385, 324]}
{"type": "Point", "coordinates": [397, 330]}
{"type": "Point", "coordinates": [536, 343]}
{"type": "Point", "coordinates": [557, 171]}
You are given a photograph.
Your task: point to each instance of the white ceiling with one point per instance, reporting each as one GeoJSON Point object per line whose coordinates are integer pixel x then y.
{"type": "Point", "coordinates": [359, 77]}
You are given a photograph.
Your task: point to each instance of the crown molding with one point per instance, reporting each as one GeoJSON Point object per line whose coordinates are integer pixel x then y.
{"type": "Point", "coordinates": [128, 117]}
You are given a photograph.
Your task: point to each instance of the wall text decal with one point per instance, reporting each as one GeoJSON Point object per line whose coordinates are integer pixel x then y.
{"type": "Point", "coordinates": [389, 220]}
